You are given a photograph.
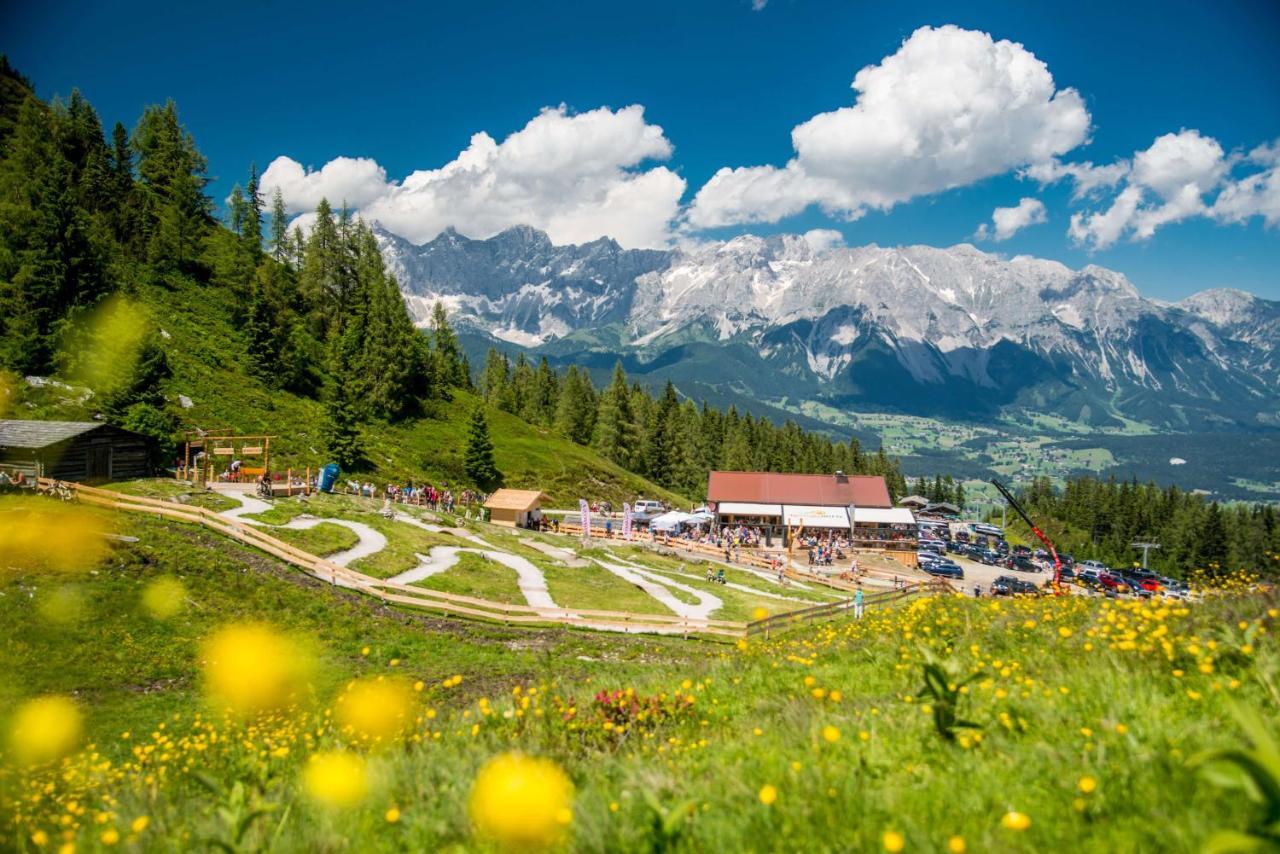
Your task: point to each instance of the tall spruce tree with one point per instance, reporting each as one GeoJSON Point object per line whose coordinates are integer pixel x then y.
{"type": "Point", "coordinates": [479, 462]}
{"type": "Point", "coordinates": [280, 249]}
{"type": "Point", "coordinates": [616, 433]}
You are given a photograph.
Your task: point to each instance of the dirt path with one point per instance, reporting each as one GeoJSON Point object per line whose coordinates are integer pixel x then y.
{"type": "Point", "coordinates": [656, 586]}
{"type": "Point", "coordinates": [532, 583]}
{"type": "Point", "coordinates": [369, 541]}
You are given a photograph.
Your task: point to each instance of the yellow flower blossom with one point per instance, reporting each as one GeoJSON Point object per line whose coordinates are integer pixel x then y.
{"type": "Point", "coordinates": [251, 668]}
{"type": "Point", "coordinates": [336, 779]}
{"type": "Point", "coordinates": [45, 729]}
{"type": "Point", "coordinates": [520, 801]}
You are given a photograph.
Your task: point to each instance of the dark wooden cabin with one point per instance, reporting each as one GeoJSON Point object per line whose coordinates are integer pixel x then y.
{"type": "Point", "coordinates": [75, 450]}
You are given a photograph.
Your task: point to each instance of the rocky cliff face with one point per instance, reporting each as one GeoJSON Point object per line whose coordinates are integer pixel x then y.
{"type": "Point", "coordinates": [954, 330]}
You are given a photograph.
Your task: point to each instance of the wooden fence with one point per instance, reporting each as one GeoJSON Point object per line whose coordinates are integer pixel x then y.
{"type": "Point", "coordinates": [449, 603]}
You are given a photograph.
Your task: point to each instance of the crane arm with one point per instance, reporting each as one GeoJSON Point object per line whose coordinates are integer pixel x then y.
{"type": "Point", "coordinates": [1013, 502]}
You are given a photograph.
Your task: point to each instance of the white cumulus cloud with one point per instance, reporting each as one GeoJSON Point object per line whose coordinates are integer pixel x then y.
{"type": "Point", "coordinates": [949, 108]}
{"type": "Point", "coordinates": [1086, 178]}
{"type": "Point", "coordinates": [1253, 195]}
{"type": "Point", "coordinates": [576, 176]}
{"type": "Point", "coordinates": [1167, 183]}
{"type": "Point", "coordinates": [1006, 222]}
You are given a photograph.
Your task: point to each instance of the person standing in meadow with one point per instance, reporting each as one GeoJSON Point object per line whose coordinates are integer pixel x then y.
{"type": "Point", "coordinates": [857, 602]}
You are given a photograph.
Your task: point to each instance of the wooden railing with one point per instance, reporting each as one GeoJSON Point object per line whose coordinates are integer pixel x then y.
{"type": "Point", "coordinates": [832, 609]}
{"type": "Point", "coordinates": [452, 603]}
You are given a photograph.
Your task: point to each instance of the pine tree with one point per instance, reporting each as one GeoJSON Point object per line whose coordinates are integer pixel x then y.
{"type": "Point", "coordinates": [171, 176]}
{"type": "Point", "coordinates": [252, 231]}
{"type": "Point", "coordinates": [446, 353]}
{"type": "Point", "coordinates": [1211, 552]}
{"type": "Point", "coordinates": [616, 433]}
{"type": "Point", "coordinates": [260, 330]}
{"type": "Point", "coordinates": [493, 385]}
{"type": "Point", "coordinates": [661, 438]}
{"type": "Point", "coordinates": [576, 409]}
{"type": "Point", "coordinates": [479, 462]}
{"type": "Point", "coordinates": [280, 249]}
{"type": "Point", "coordinates": [237, 212]}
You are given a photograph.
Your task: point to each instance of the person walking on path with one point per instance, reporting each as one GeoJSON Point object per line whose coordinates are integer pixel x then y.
{"type": "Point", "coordinates": [857, 602]}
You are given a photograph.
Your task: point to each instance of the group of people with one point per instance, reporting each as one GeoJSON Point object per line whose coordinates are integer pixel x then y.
{"type": "Point", "coordinates": [14, 481]}
{"type": "Point", "coordinates": [439, 499]}
{"type": "Point", "coordinates": [824, 549]}
{"type": "Point", "coordinates": [885, 534]}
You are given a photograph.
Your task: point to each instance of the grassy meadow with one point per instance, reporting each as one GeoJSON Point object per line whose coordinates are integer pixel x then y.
{"type": "Point", "coordinates": [259, 709]}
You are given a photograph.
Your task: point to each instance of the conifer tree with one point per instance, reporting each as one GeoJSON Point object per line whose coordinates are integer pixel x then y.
{"type": "Point", "coordinates": [576, 409]}
{"type": "Point", "coordinates": [479, 462]}
{"type": "Point", "coordinates": [280, 249]}
{"type": "Point", "coordinates": [616, 433]}
{"type": "Point", "coordinates": [446, 354]}
{"type": "Point", "coordinates": [493, 385]}
{"type": "Point", "coordinates": [252, 231]}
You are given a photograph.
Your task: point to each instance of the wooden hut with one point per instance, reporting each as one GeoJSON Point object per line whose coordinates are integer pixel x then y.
{"type": "Point", "coordinates": [75, 450]}
{"type": "Point", "coordinates": [515, 508]}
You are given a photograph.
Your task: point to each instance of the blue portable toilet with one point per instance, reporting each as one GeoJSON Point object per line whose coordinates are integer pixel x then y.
{"type": "Point", "coordinates": [329, 476]}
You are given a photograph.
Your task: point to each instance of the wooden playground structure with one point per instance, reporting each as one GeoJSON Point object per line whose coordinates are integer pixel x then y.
{"type": "Point", "coordinates": [208, 457]}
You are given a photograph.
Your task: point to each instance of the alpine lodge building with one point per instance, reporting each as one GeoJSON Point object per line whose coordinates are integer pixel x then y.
{"type": "Point", "coordinates": [855, 507]}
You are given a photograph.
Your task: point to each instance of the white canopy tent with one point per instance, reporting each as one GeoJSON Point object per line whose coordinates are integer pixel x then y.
{"type": "Point", "coordinates": [815, 517]}
{"type": "Point", "coordinates": [672, 520]}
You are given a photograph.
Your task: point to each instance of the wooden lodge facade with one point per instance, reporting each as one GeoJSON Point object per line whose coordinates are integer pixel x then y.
{"type": "Point", "coordinates": [75, 450]}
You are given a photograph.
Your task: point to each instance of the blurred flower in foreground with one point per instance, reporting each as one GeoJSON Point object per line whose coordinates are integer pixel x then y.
{"type": "Point", "coordinates": [45, 729]}
{"type": "Point", "coordinates": [8, 392]}
{"type": "Point", "coordinates": [521, 802]}
{"type": "Point", "coordinates": [163, 597]}
{"type": "Point", "coordinates": [376, 709]}
{"type": "Point", "coordinates": [251, 668]}
{"type": "Point", "coordinates": [36, 534]}
{"type": "Point", "coordinates": [63, 605]}
{"type": "Point", "coordinates": [102, 350]}
{"type": "Point", "coordinates": [336, 779]}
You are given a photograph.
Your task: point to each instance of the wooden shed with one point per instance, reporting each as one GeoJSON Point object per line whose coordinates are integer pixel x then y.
{"type": "Point", "coordinates": [76, 450]}
{"type": "Point", "coordinates": [515, 508]}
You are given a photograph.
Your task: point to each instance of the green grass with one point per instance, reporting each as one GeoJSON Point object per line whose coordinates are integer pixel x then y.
{"type": "Point", "coordinates": [129, 668]}
{"type": "Point", "coordinates": [322, 540]}
{"type": "Point", "coordinates": [172, 490]}
{"type": "Point", "coordinates": [478, 576]}
{"type": "Point", "coordinates": [1055, 688]}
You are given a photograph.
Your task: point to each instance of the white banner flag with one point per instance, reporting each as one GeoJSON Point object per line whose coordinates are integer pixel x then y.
{"type": "Point", "coordinates": [626, 520]}
{"type": "Point", "coordinates": [584, 510]}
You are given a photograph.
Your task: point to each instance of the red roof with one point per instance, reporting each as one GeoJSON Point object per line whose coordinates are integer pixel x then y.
{"type": "Point", "coordinates": [822, 490]}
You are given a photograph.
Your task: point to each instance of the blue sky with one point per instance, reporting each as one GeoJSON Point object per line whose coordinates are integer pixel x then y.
{"type": "Point", "coordinates": [407, 86]}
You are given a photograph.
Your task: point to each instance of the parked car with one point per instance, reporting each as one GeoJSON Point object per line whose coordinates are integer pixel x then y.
{"type": "Point", "coordinates": [1089, 577]}
{"type": "Point", "coordinates": [944, 569]}
{"type": "Point", "coordinates": [644, 510]}
{"type": "Point", "coordinates": [1096, 566]}
{"type": "Point", "coordinates": [1007, 585]}
{"type": "Point", "coordinates": [1022, 563]}
{"type": "Point", "coordinates": [990, 557]}
{"type": "Point", "coordinates": [1066, 573]}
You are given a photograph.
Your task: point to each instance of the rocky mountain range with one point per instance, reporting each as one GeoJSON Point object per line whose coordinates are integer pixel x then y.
{"type": "Point", "coordinates": [953, 332]}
